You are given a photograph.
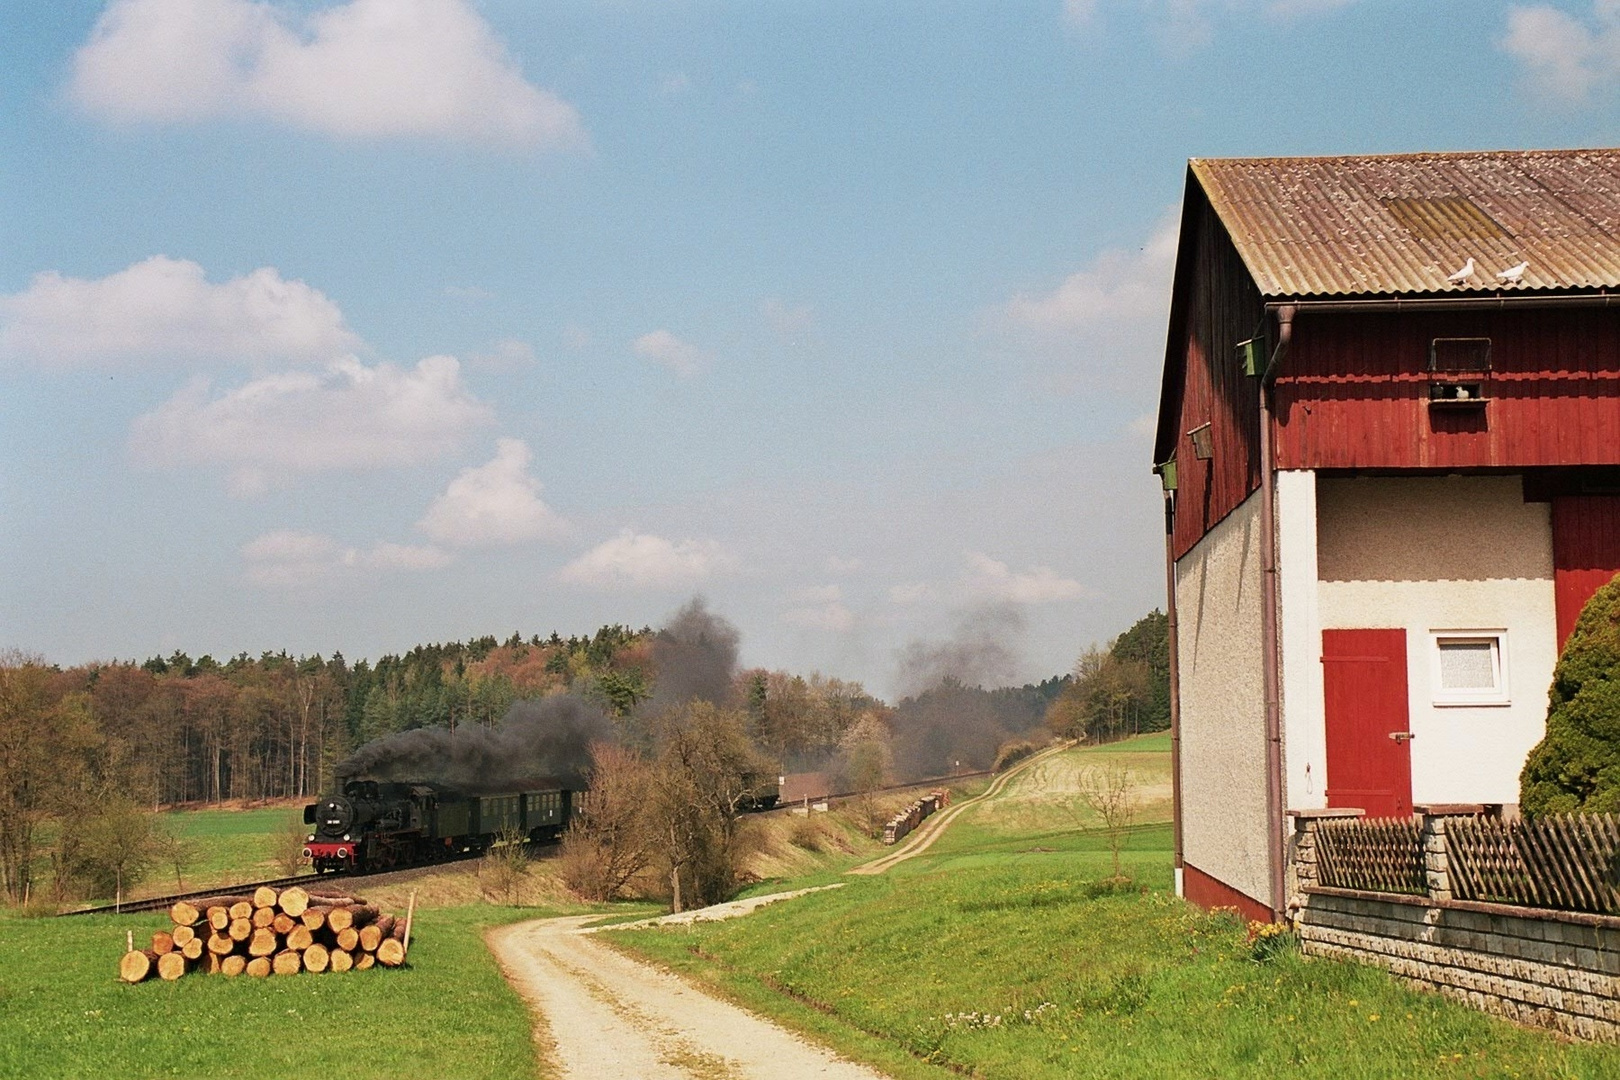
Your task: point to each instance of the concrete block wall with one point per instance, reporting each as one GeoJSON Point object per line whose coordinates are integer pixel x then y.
{"type": "Point", "coordinates": [1553, 969]}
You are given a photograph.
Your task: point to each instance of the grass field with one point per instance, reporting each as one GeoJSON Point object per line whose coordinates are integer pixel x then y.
{"type": "Point", "coordinates": [999, 954]}
{"type": "Point", "coordinates": [449, 1015]}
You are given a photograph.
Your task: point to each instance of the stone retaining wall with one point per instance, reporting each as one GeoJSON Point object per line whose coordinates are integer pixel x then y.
{"type": "Point", "coordinates": [1554, 969]}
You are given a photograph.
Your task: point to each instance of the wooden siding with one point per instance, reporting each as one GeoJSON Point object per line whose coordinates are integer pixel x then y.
{"type": "Point", "coordinates": [1586, 552]}
{"type": "Point", "coordinates": [1223, 308]}
{"type": "Point", "coordinates": [1353, 392]}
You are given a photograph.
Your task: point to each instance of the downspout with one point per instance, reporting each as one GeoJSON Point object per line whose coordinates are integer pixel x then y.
{"type": "Point", "coordinates": [1270, 657]}
{"type": "Point", "coordinates": [1175, 682]}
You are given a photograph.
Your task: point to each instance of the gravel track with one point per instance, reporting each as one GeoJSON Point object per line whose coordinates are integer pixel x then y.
{"type": "Point", "coordinates": [608, 1017]}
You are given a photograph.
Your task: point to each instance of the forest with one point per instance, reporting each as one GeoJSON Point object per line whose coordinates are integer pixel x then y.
{"type": "Point", "coordinates": [83, 748]}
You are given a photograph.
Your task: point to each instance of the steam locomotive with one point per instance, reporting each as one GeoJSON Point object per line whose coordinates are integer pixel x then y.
{"type": "Point", "coordinates": [377, 825]}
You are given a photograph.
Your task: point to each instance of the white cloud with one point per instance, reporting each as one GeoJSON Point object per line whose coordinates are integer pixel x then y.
{"type": "Point", "coordinates": [1564, 57]}
{"type": "Point", "coordinates": [1186, 25]}
{"type": "Point", "coordinates": [663, 347]}
{"type": "Point", "coordinates": [637, 560]}
{"type": "Point", "coordinates": [348, 416]}
{"type": "Point", "coordinates": [1117, 285]}
{"type": "Point", "coordinates": [366, 69]}
{"type": "Point", "coordinates": [494, 504]}
{"type": "Point", "coordinates": [992, 580]}
{"type": "Point", "coordinates": [911, 593]}
{"type": "Point", "coordinates": [816, 594]}
{"type": "Point", "coordinates": [165, 309]}
{"type": "Point", "coordinates": [290, 559]}
{"type": "Point", "coordinates": [838, 565]}
{"type": "Point", "coordinates": [833, 616]}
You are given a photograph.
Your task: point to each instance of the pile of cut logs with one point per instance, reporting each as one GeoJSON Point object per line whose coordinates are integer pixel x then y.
{"type": "Point", "coordinates": [271, 932]}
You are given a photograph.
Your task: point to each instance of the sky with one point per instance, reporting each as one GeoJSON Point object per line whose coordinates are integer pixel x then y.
{"type": "Point", "coordinates": [357, 325]}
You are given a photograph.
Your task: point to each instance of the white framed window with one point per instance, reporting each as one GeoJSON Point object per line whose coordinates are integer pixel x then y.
{"type": "Point", "coordinates": [1468, 667]}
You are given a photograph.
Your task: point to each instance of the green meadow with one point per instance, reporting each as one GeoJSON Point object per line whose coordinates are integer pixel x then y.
{"type": "Point", "coordinates": [450, 1014]}
{"type": "Point", "coordinates": [1003, 952]}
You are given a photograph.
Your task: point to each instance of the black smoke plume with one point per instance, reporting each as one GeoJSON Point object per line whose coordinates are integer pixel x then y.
{"type": "Point", "coordinates": [978, 652]}
{"type": "Point", "coordinates": [949, 719]}
{"type": "Point", "coordinates": [695, 656]}
{"type": "Point", "coordinates": [537, 741]}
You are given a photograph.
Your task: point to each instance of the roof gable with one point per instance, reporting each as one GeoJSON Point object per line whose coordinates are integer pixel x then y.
{"type": "Point", "coordinates": [1403, 224]}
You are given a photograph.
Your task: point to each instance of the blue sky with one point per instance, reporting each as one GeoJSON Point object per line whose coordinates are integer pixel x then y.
{"type": "Point", "coordinates": [356, 325]}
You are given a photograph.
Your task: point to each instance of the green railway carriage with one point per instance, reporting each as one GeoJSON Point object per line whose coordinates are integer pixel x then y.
{"type": "Point", "coordinates": [375, 824]}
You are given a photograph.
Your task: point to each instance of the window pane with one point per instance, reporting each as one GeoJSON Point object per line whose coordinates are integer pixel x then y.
{"type": "Point", "coordinates": [1467, 665]}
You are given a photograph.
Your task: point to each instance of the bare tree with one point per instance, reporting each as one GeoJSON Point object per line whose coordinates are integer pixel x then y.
{"type": "Point", "coordinates": [505, 867]}
{"type": "Point", "coordinates": [1109, 791]}
{"type": "Point", "coordinates": [609, 844]}
{"type": "Point", "coordinates": [705, 771]}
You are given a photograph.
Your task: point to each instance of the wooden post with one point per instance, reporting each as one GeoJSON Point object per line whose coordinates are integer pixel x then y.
{"type": "Point", "coordinates": [410, 909]}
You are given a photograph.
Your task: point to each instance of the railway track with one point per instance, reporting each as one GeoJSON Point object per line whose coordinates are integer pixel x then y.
{"type": "Point", "coordinates": [163, 903]}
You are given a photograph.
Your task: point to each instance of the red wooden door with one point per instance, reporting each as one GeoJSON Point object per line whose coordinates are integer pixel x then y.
{"type": "Point", "coordinates": [1369, 757]}
{"type": "Point", "coordinates": [1586, 552]}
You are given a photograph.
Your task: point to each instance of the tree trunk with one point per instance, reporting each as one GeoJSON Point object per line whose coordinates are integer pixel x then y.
{"type": "Point", "coordinates": [283, 923]}
{"type": "Point", "coordinates": [364, 961]}
{"type": "Point", "coordinates": [240, 929]}
{"type": "Point", "coordinates": [391, 953]}
{"type": "Point", "coordinates": [314, 918]}
{"type": "Point", "coordinates": [263, 917]}
{"type": "Point", "coordinates": [289, 963]}
{"type": "Point", "coordinates": [162, 942]}
{"type": "Point", "coordinates": [348, 938]}
{"type": "Point", "coordinates": [264, 942]}
{"type": "Point", "coordinates": [370, 936]}
{"type": "Point", "coordinates": [193, 949]}
{"type": "Point", "coordinates": [233, 966]}
{"type": "Point", "coordinates": [170, 966]}
{"type": "Point", "coordinates": [265, 897]}
{"type": "Point", "coordinates": [242, 909]}
{"type": "Point", "coordinates": [258, 967]}
{"type": "Point", "coordinates": [342, 960]}
{"type": "Point", "coordinates": [316, 959]}
{"type": "Point", "coordinates": [301, 938]}
{"type": "Point", "coordinates": [183, 914]}
{"type": "Point", "coordinates": [221, 945]}
{"type": "Point", "coordinates": [294, 901]}
{"type": "Point", "coordinates": [183, 936]}
{"type": "Point", "coordinates": [136, 965]}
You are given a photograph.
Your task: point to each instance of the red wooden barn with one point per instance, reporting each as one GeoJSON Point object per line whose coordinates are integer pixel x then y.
{"type": "Point", "coordinates": [1389, 435]}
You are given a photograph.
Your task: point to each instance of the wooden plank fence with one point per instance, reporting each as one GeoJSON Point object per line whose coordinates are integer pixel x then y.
{"type": "Point", "coordinates": [1563, 861]}
{"type": "Point", "coordinates": [1373, 854]}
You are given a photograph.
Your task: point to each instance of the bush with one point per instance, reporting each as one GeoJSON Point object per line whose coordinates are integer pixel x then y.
{"type": "Point", "coordinates": [1576, 766]}
{"type": "Point", "coordinates": [1011, 753]}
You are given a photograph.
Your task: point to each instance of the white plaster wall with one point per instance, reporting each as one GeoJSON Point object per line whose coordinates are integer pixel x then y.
{"type": "Point", "coordinates": [1223, 743]}
{"type": "Point", "coordinates": [1299, 641]}
{"type": "Point", "coordinates": [1447, 553]}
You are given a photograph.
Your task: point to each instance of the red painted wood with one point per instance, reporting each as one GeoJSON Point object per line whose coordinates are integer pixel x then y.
{"type": "Point", "coordinates": [1354, 392]}
{"type": "Point", "coordinates": [1364, 691]}
{"type": "Point", "coordinates": [1223, 309]}
{"type": "Point", "coordinates": [1210, 892]}
{"type": "Point", "coordinates": [1586, 552]}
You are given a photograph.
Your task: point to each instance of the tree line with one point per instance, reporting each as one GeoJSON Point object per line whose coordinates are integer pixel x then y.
{"type": "Point", "coordinates": [1120, 690]}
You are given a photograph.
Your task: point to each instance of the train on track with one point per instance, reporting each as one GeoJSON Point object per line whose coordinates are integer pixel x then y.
{"type": "Point", "coordinates": [380, 825]}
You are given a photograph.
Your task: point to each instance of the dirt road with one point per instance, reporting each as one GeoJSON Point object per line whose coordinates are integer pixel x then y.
{"type": "Point", "coordinates": [923, 837]}
{"type": "Point", "coordinates": [607, 1017]}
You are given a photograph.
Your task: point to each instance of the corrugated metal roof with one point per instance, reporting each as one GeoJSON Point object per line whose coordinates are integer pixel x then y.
{"type": "Point", "coordinates": [1401, 224]}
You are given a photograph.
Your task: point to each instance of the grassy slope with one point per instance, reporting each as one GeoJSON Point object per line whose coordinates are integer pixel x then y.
{"type": "Point", "coordinates": [64, 1014]}
{"type": "Point", "coordinates": [929, 970]}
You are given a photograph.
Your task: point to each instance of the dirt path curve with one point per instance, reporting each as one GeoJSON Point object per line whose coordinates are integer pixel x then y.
{"type": "Point", "coordinates": [612, 1018]}
{"type": "Point", "coordinates": [922, 838]}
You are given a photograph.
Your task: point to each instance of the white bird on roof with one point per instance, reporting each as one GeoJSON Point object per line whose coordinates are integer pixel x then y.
{"type": "Point", "coordinates": [1464, 274]}
{"type": "Point", "coordinates": [1513, 274]}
